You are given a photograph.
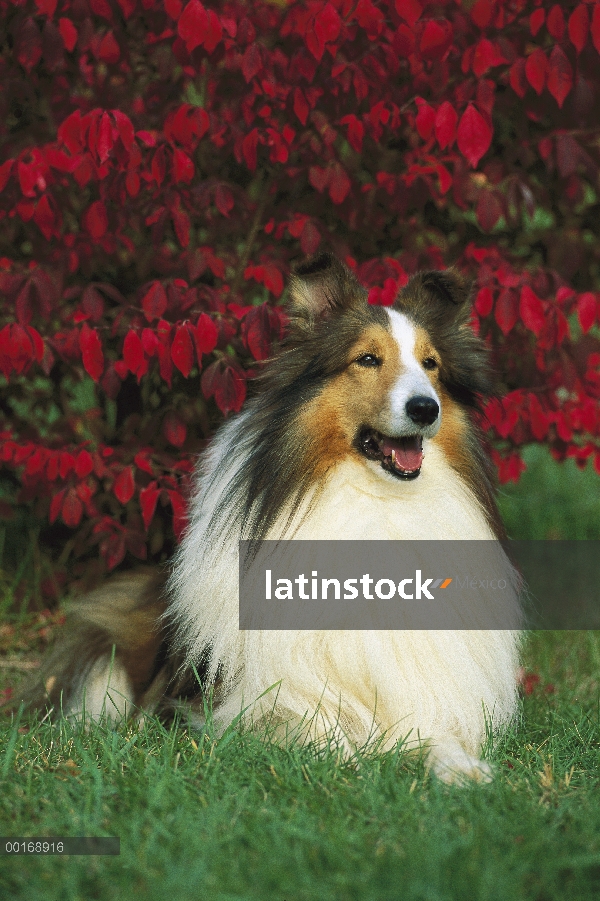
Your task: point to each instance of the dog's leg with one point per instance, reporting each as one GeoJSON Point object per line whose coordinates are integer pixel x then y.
{"type": "Point", "coordinates": [110, 653]}
{"type": "Point", "coordinates": [452, 764]}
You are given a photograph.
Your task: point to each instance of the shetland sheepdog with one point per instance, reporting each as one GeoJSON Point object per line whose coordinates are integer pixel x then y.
{"type": "Point", "coordinates": [361, 427]}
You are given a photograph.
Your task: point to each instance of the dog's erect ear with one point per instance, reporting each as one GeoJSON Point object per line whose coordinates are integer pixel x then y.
{"type": "Point", "coordinates": [449, 286]}
{"type": "Point", "coordinates": [443, 295]}
{"type": "Point", "coordinates": [321, 285]}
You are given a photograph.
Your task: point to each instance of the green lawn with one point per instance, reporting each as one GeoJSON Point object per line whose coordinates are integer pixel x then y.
{"type": "Point", "coordinates": [238, 818]}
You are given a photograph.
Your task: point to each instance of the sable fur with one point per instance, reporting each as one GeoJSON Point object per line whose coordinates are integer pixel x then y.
{"type": "Point", "coordinates": [265, 475]}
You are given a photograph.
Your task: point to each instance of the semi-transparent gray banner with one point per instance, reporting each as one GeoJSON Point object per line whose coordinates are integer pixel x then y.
{"type": "Point", "coordinates": [419, 585]}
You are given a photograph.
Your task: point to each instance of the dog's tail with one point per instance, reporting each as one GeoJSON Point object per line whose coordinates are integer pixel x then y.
{"type": "Point", "coordinates": [112, 655]}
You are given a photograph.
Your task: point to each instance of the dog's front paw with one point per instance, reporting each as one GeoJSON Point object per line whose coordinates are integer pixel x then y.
{"type": "Point", "coordinates": [455, 765]}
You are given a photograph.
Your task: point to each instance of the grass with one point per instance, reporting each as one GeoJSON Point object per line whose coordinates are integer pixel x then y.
{"type": "Point", "coordinates": [238, 817]}
{"type": "Point", "coordinates": [552, 500]}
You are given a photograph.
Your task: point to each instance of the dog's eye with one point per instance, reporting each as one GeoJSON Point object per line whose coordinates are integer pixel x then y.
{"type": "Point", "coordinates": [429, 363]}
{"type": "Point", "coordinates": [369, 360]}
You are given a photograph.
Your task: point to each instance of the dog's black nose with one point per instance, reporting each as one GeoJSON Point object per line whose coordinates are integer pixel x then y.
{"type": "Point", "coordinates": [422, 410]}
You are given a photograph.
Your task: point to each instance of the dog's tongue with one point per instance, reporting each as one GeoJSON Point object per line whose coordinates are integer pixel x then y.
{"type": "Point", "coordinates": [408, 454]}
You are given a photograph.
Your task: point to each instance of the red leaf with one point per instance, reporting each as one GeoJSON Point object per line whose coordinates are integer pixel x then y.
{"type": "Point", "coordinates": [92, 303]}
{"type": "Point", "coordinates": [538, 419]}
{"type": "Point", "coordinates": [489, 210]}
{"type": "Point", "coordinates": [484, 302]}
{"type": "Point", "coordinates": [436, 38]}
{"type": "Point", "coordinates": [205, 335]}
{"type": "Point", "coordinates": [506, 311]}
{"type": "Point", "coordinates": [555, 22]}
{"type": "Point", "coordinates": [356, 131]}
{"type": "Point", "coordinates": [261, 325]}
{"type": "Point", "coordinates": [174, 429]}
{"type": "Point", "coordinates": [214, 31]}
{"type": "Point", "coordinates": [531, 310]}
{"type": "Point", "coordinates": [596, 27]}
{"type": "Point", "coordinates": [72, 509]}
{"type": "Point", "coordinates": [193, 25]}
{"type": "Point", "coordinates": [446, 120]}
{"type": "Point", "coordinates": [95, 220]}
{"type": "Point", "coordinates": [173, 8]}
{"type": "Point", "coordinates": [224, 200]}
{"type": "Point", "coordinates": [425, 119]}
{"type": "Point", "coordinates": [301, 107]}
{"type": "Point", "coordinates": [474, 135]}
{"type": "Point", "coordinates": [148, 499]}
{"type": "Point", "coordinates": [44, 217]}
{"type": "Point", "coordinates": [20, 348]}
{"type": "Point", "coordinates": [183, 167]}
{"type": "Point", "coordinates": [165, 363]}
{"type": "Point", "coordinates": [154, 302]}
{"type": "Point", "coordinates": [113, 550]}
{"type": "Point", "coordinates": [518, 81]}
{"type": "Point", "coordinates": [101, 8]}
{"type": "Point", "coordinates": [46, 7]}
{"type": "Point", "coordinates": [132, 183]}
{"type": "Point", "coordinates": [125, 128]}
{"type": "Point", "coordinates": [181, 223]}
{"type": "Point", "coordinates": [249, 147]}
{"type": "Point", "coordinates": [142, 461]}
{"type": "Point", "coordinates": [56, 506]}
{"type": "Point", "coordinates": [484, 57]}
{"type": "Point", "coordinates": [536, 20]}
{"type": "Point", "coordinates": [67, 464]}
{"type": "Point", "coordinates": [251, 62]}
{"type": "Point", "coordinates": [91, 352]}
{"type": "Point", "coordinates": [409, 10]}
{"type": "Point", "coordinates": [319, 178]}
{"type": "Point", "coordinates": [104, 143]}
{"type": "Point", "coordinates": [28, 44]}
{"type": "Point", "coordinates": [68, 33]}
{"type": "Point", "coordinates": [179, 513]}
{"type": "Point", "coordinates": [370, 18]}
{"type": "Point", "coordinates": [586, 310]}
{"type": "Point", "coordinates": [310, 238]}
{"type": "Point", "coordinates": [339, 185]}
{"type": "Point", "coordinates": [84, 464]}
{"type": "Point", "coordinates": [579, 26]}
{"type": "Point", "coordinates": [560, 75]}
{"type": "Point", "coordinates": [124, 485]}
{"type": "Point", "coordinates": [535, 69]}
{"type": "Point", "coordinates": [159, 166]}
{"type": "Point", "coordinates": [109, 51]}
{"type": "Point", "coordinates": [226, 383]}
{"type": "Point", "coordinates": [38, 344]}
{"type": "Point", "coordinates": [133, 352]}
{"type": "Point", "coordinates": [182, 352]}
{"type": "Point", "coordinates": [28, 178]}
{"type": "Point", "coordinates": [325, 28]}
{"type": "Point", "coordinates": [328, 24]}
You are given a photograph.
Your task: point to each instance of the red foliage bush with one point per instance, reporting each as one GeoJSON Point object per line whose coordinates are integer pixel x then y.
{"type": "Point", "coordinates": [163, 163]}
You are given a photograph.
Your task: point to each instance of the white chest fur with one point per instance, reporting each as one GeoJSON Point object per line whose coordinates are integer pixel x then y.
{"type": "Point", "coordinates": [437, 685]}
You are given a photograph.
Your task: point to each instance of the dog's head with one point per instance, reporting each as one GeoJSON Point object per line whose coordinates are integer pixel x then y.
{"type": "Point", "coordinates": [381, 381]}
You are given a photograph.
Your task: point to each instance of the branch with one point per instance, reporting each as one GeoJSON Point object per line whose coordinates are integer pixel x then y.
{"type": "Point", "coordinates": [264, 188]}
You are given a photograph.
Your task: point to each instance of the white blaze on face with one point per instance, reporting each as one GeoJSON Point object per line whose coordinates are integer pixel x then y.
{"type": "Point", "coordinates": [412, 381]}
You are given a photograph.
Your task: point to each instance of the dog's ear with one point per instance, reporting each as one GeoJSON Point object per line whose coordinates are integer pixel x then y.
{"type": "Point", "coordinates": [448, 289]}
{"type": "Point", "coordinates": [321, 285]}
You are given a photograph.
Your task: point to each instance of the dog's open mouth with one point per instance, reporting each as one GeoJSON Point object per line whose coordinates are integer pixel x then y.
{"type": "Point", "coordinates": [403, 457]}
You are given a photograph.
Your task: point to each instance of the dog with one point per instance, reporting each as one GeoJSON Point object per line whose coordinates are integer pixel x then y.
{"type": "Point", "coordinates": [362, 426]}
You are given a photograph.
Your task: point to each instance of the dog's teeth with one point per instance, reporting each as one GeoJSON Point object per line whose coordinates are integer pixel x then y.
{"type": "Point", "coordinates": [393, 457]}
